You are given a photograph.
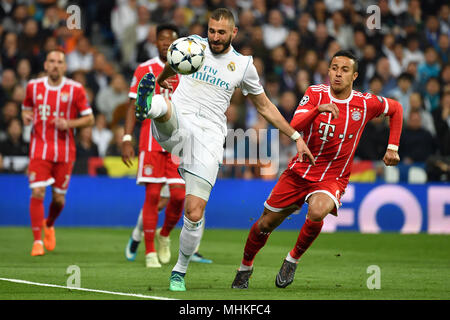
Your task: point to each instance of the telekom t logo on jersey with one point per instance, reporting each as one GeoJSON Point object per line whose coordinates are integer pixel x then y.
{"type": "Point", "coordinates": [327, 131]}
{"type": "Point", "coordinates": [44, 111]}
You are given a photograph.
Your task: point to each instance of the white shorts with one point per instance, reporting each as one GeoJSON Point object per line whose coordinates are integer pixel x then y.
{"type": "Point", "coordinates": [198, 143]}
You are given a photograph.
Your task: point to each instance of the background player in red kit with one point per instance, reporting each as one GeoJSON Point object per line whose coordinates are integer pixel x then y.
{"type": "Point", "coordinates": [332, 119]}
{"type": "Point", "coordinates": [156, 167]}
{"type": "Point", "coordinates": [52, 104]}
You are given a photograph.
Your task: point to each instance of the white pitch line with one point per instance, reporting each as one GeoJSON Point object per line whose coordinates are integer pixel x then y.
{"type": "Point", "coordinates": [84, 289]}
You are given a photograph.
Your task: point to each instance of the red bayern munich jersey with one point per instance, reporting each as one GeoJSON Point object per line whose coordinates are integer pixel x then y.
{"type": "Point", "coordinates": [333, 142]}
{"type": "Point", "coordinates": [67, 100]}
{"type": "Point", "coordinates": [155, 66]}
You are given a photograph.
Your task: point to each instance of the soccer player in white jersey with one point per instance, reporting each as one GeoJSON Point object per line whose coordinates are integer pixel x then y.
{"type": "Point", "coordinates": [194, 123]}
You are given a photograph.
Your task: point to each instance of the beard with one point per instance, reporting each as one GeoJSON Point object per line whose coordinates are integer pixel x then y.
{"type": "Point", "coordinates": [226, 45]}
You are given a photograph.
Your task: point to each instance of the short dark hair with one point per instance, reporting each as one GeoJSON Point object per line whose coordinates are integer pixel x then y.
{"type": "Point", "coordinates": [56, 50]}
{"type": "Point", "coordinates": [222, 13]}
{"type": "Point", "coordinates": [405, 76]}
{"type": "Point", "coordinates": [348, 54]}
{"type": "Point", "coordinates": [167, 26]}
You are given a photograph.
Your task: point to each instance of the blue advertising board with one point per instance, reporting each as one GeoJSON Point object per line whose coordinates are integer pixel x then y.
{"type": "Point", "coordinates": [368, 208]}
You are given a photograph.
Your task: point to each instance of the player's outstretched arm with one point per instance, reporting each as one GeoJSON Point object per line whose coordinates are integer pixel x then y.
{"type": "Point", "coordinates": [163, 77]}
{"type": "Point", "coordinates": [395, 113]}
{"type": "Point", "coordinates": [270, 112]}
{"type": "Point", "coordinates": [127, 144]}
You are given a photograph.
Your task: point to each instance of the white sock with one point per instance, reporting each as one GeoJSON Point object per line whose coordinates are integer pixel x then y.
{"type": "Point", "coordinates": [243, 267]}
{"type": "Point", "coordinates": [290, 259]}
{"type": "Point", "coordinates": [190, 237]}
{"type": "Point", "coordinates": [137, 231]}
{"type": "Point", "coordinates": [158, 107]}
{"type": "Point", "coordinates": [203, 227]}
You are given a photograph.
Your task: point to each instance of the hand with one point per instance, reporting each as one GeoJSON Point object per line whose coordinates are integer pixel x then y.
{"type": "Point", "coordinates": [27, 117]}
{"type": "Point", "coordinates": [391, 158]}
{"type": "Point", "coordinates": [166, 84]}
{"type": "Point", "coordinates": [127, 153]}
{"type": "Point", "coordinates": [303, 150]}
{"type": "Point", "coordinates": [61, 123]}
{"type": "Point", "coordinates": [329, 107]}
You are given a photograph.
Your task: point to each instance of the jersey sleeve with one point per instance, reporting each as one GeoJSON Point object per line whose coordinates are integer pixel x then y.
{"type": "Point", "coordinates": [81, 102]}
{"type": "Point", "coordinates": [28, 102]}
{"type": "Point", "coordinates": [250, 82]}
{"type": "Point", "coordinates": [306, 111]}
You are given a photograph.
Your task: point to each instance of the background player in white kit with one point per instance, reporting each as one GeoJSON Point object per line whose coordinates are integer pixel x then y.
{"type": "Point", "coordinates": [194, 121]}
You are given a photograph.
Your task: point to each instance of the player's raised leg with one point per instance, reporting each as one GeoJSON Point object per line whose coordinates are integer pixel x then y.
{"type": "Point", "coordinates": [320, 204]}
{"type": "Point", "coordinates": [37, 215]}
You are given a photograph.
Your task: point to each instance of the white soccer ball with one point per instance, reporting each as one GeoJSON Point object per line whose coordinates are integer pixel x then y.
{"type": "Point", "coordinates": [186, 55]}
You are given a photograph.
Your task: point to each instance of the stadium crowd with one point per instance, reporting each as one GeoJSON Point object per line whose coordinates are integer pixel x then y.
{"type": "Point", "coordinates": [404, 55]}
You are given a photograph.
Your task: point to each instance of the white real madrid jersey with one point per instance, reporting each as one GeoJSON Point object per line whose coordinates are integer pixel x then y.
{"type": "Point", "coordinates": [207, 92]}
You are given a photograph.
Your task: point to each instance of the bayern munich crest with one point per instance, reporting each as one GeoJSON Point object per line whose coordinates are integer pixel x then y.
{"type": "Point", "coordinates": [356, 115]}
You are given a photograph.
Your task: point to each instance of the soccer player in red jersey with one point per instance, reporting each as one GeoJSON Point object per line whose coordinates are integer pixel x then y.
{"type": "Point", "coordinates": [332, 119]}
{"type": "Point", "coordinates": [54, 105]}
{"type": "Point", "coordinates": [156, 167]}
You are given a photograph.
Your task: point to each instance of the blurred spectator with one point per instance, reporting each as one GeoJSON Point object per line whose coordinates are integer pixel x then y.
{"type": "Point", "coordinates": [197, 11]}
{"type": "Point", "coordinates": [441, 117]}
{"type": "Point", "coordinates": [432, 30]}
{"type": "Point", "coordinates": [81, 58]}
{"type": "Point", "coordinates": [14, 144]}
{"type": "Point", "coordinates": [273, 88]}
{"type": "Point", "coordinates": [403, 91]}
{"type": "Point", "coordinates": [111, 96]}
{"type": "Point", "coordinates": [321, 74]}
{"type": "Point", "coordinates": [445, 76]}
{"type": "Point", "coordinates": [115, 146]}
{"type": "Point", "coordinates": [147, 49]}
{"type": "Point", "coordinates": [18, 94]}
{"type": "Point", "coordinates": [9, 111]}
{"type": "Point", "coordinates": [412, 50]}
{"type": "Point", "coordinates": [30, 40]}
{"type": "Point", "coordinates": [293, 45]}
{"type": "Point", "coordinates": [101, 135]}
{"type": "Point", "coordinates": [288, 76]}
{"type": "Point", "coordinates": [15, 22]}
{"type": "Point", "coordinates": [259, 10]}
{"type": "Point", "coordinates": [338, 29]}
{"type": "Point", "coordinates": [366, 68]}
{"type": "Point", "coordinates": [7, 85]}
{"type": "Point", "coordinates": [123, 16]}
{"type": "Point", "coordinates": [98, 78]}
{"type": "Point", "coordinates": [287, 105]}
{"type": "Point", "coordinates": [443, 48]}
{"type": "Point", "coordinates": [431, 97]}
{"type": "Point", "coordinates": [383, 70]}
{"type": "Point", "coordinates": [289, 11]}
{"type": "Point", "coordinates": [6, 8]}
{"type": "Point", "coordinates": [416, 105]}
{"type": "Point", "coordinates": [86, 148]}
{"type": "Point", "coordinates": [398, 7]}
{"type": "Point", "coordinates": [134, 34]}
{"type": "Point", "coordinates": [374, 139]}
{"type": "Point", "coordinates": [164, 12]}
{"type": "Point", "coordinates": [430, 67]}
{"type": "Point", "coordinates": [274, 31]}
{"type": "Point", "coordinates": [10, 54]}
{"type": "Point", "coordinates": [321, 40]}
{"type": "Point", "coordinates": [305, 28]}
{"type": "Point", "coordinates": [180, 21]}
{"type": "Point", "coordinates": [359, 43]}
{"type": "Point", "coordinates": [444, 19]}
{"type": "Point", "coordinates": [277, 57]}
{"type": "Point", "coordinates": [416, 143]}
{"type": "Point", "coordinates": [376, 85]}
{"type": "Point", "coordinates": [302, 83]}
{"type": "Point", "coordinates": [23, 72]}
{"type": "Point", "coordinates": [51, 21]}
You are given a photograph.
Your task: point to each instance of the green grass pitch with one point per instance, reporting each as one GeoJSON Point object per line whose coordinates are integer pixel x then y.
{"type": "Point", "coordinates": [335, 267]}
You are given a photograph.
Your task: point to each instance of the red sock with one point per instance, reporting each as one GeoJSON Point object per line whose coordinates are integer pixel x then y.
{"type": "Point", "coordinates": [255, 241]}
{"type": "Point", "coordinates": [173, 210]}
{"type": "Point", "coordinates": [308, 234]}
{"type": "Point", "coordinates": [37, 217]}
{"type": "Point", "coordinates": [150, 215]}
{"type": "Point", "coordinates": [53, 213]}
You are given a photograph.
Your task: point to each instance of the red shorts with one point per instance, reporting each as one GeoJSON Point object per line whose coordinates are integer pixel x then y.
{"type": "Point", "coordinates": [291, 191]}
{"type": "Point", "coordinates": [157, 167]}
{"type": "Point", "coordinates": [42, 173]}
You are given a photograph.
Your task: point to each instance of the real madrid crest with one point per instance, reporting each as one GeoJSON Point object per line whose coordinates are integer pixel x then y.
{"type": "Point", "coordinates": [231, 66]}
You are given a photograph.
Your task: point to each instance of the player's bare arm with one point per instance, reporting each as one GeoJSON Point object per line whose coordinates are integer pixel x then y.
{"type": "Point", "coordinates": [27, 116]}
{"type": "Point", "coordinates": [66, 124]}
{"type": "Point", "coordinates": [270, 112]}
{"type": "Point", "coordinates": [127, 144]}
{"type": "Point", "coordinates": [395, 114]}
{"type": "Point", "coordinates": [163, 77]}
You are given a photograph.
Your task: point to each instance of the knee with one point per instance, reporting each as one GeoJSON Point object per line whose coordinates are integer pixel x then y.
{"type": "Point", "coordinates": [267, 222]}
{"type": "Point", "coordinates": [59, 199]}
{"type": "Point", "coordinates": [316, 213]}
{"type": "Point", "coordinates": [194, 212]}
{"type": "Point", "coordinates": [38, 193]}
